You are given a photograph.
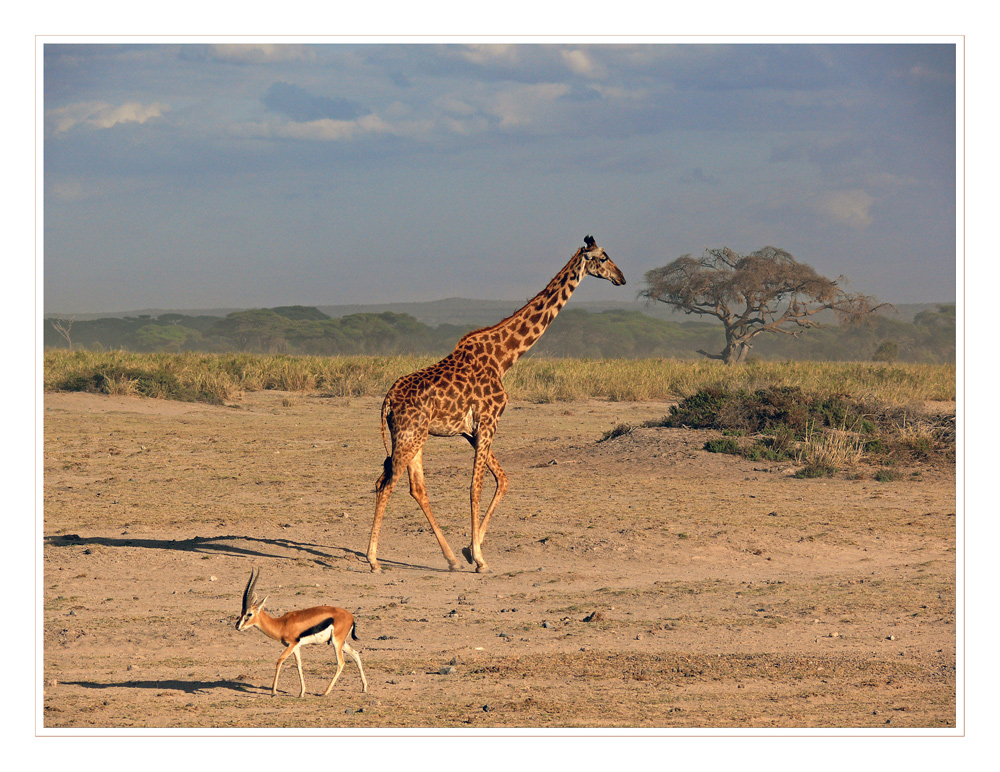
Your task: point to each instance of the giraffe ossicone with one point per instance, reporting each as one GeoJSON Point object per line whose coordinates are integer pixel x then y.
{"type": "Point", "coordinates": [463, 395]}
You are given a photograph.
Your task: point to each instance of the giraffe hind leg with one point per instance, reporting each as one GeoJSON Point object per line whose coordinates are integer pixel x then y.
{"type": "Point", "coordinates": [383, 489]}
{"type": "Point", "coordinates": [418, 490]}
{"type": "Point", "coordinates": [402, 453]}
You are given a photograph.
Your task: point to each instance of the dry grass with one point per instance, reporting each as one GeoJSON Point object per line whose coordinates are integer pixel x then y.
{"type": "Point", "coordinates": [226, 377]}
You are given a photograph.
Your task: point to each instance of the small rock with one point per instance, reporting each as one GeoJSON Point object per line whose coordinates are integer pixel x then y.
{"type": "Point", "coordinates": [447, 670]}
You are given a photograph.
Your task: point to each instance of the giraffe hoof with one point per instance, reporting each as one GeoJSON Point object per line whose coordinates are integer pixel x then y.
{"type": "Point", "coordinates": [376, 569]}
{"type": "Point", "coordinates": [483, 569]}
{"type": "Point", "coordinates": [456, 566]}
{"type": "Point", "coordinates": [467, 554]}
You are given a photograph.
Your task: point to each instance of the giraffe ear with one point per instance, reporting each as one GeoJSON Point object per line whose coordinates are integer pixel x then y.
{"type": "Point", "coordinates": [589, 241]}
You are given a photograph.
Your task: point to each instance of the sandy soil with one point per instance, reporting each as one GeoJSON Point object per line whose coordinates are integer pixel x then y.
{"type": "Point", "coordinates": [639, 582]}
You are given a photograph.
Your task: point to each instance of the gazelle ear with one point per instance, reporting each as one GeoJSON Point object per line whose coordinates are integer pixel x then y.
{"type": "Point", "coordinates": [261, 604]}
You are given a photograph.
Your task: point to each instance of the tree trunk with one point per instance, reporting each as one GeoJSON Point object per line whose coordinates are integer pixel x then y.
{"type": "Point", "coordinates": [735, 352]}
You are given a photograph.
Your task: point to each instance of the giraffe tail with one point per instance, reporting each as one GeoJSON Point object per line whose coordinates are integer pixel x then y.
{"type": "Point", "coordinates": [386, 475]}
{"type": "Point", "coordinates": [387, 464]}
{"type": "Point", "coordinates": [386, 409]}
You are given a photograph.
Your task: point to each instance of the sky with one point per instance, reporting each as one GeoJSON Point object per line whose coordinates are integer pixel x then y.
{"type": "Point", "coordinates": [199, 175]}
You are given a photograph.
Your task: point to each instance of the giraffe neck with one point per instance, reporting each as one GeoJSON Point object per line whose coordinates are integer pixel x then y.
{"type": "Point", "coordinates": [512, 337]}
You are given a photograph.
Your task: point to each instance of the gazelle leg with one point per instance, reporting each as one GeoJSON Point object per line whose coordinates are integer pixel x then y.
{"type": "Point", "coordinates": [281, 661]}
{"type": "Point", "coordinates": [357, 658]}
{"type": "Point", "coordinates": [419, 492]}
{"type": "Point", "coordinates": [340, 666]}
{"type": "Point", "coordinates": [302, 680]}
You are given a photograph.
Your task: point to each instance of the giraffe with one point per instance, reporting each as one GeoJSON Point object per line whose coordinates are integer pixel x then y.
{"type": "Point", "coordinates": [463, 395]}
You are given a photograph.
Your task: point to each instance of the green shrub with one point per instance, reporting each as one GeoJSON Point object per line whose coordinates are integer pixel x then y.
{"type": "Point", "coordinates": [725, 445]}
{"type": "Point", "coordinates": [815, 470]}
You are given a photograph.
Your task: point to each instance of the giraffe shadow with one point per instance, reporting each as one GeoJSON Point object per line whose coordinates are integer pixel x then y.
{"type": "Point", "coordinates": [238, 546]}
{"type": "Point", "coordinates": [188, 687]}
{"type": "Point", "coordinates": [231, 545]}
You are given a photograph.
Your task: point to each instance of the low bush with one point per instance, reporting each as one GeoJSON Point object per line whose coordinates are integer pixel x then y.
{"type": "Point", "coordinates": [823, 432]}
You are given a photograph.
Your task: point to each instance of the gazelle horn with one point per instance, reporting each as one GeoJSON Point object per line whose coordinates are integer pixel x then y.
{"type": "Point", "coordinates": [248, 593]}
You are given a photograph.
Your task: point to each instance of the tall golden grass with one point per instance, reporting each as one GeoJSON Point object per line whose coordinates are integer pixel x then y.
{"type": "Point", "coordinates": [227, 377]}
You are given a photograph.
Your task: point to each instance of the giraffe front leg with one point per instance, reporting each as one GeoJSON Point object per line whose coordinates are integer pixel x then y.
{"type": "Point", "coordinates": [501, 480]}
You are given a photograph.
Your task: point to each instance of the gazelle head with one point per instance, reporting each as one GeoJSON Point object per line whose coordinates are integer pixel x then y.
{"type": "Point", "coordinates": [251, 606]}
{"type": "Point", "coordinates": [597, 263]}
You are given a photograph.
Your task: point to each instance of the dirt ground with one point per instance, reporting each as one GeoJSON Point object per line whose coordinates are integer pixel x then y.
{"type": "Point", "coordinates": [639, 582]}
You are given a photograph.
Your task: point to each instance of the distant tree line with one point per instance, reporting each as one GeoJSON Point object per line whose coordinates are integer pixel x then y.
{"type": "Point", "coordinates": [930, 337]}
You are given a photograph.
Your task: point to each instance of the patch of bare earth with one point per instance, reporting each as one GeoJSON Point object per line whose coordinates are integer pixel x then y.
{"type": "Point", "coordinates": [638, 582]}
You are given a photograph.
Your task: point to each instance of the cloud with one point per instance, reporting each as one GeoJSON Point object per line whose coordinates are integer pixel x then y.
{"type": "Point", "coordinates": [263, 53]}
{"type": "Point", "coordinates": [698, 176]}
{"type": "Point", "coordinates": [847, 207]}
{"type": "Point", "coordinates": [299, 104]}
{"type": "Point", "coordinates": [487, 55]}
{"type": "Point", "coordinates": [70, 190]}
{"type": "Point", "coordinates": [322, 130]}
{"type": "Point", "coordinates": [523, 105]}
{"type": "Point", "coordinates": [580, 62]}
{"type": "Point", "coordinates": [101, 115]}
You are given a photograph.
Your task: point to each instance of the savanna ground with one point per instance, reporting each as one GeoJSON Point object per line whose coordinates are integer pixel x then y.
{"type": "Point", "coordinates": [636, 582]}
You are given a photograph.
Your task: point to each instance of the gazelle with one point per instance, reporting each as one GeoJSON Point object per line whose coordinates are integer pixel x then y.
{"type": "Point", "coordinates": [320, 624]}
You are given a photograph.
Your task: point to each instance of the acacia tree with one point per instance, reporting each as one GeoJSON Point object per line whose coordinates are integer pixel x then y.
{"type": "Point", "coordinates": [764, 291]}
{"type": "Point", "coordinates": [63, 327]}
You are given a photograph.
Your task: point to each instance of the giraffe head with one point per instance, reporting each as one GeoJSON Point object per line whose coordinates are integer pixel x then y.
{"type": "Point", "coordinates": [597, 263]}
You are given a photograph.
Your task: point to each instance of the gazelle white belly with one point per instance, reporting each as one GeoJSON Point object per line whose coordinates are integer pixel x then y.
{"type": "Point", "coordinates": [323, 636]}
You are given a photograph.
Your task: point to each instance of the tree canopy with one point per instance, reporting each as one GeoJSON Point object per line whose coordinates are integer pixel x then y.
{"type": "Point", "coordinates": [764, 291]}
{"type": "Point", "coordinates": [928, 337]}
